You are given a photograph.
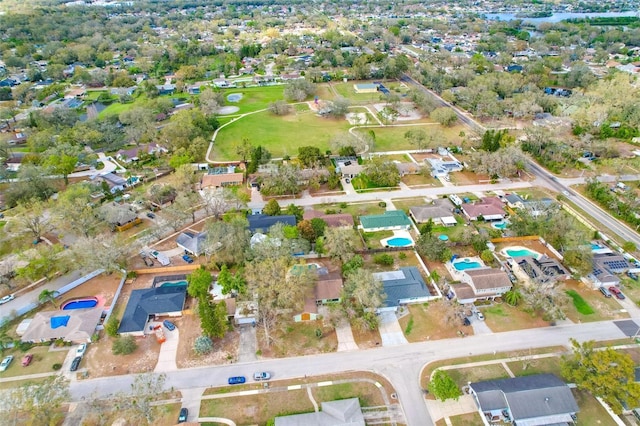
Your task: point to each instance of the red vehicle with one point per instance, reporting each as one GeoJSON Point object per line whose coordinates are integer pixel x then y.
{"type": "Point", "coordinates": [616, 292]}
{"type": "Point", "coordinates": [26, 360]}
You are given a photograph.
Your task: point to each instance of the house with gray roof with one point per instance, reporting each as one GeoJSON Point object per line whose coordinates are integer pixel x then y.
{"type": "Point", "coordinates": [345, 412]}
{"type": "Point", "coordinates": [440, 212]}
{"type": "Point", "coordinates": [192, 243]}
{"type": "Point", "coordinates": [262, 222]}
{"type": "Point", "coordinates": [481, 284]}
{"type": "Point", "coordinates": [148, 303]}
{"type": "Point", "coordinates": [403, 287]}
{"type": "Point", "coordinates": [388, 221]}
{"type": "Point", "coordinates": [605, 268]}
{"type": "Point", "coordinates": [540, 399]}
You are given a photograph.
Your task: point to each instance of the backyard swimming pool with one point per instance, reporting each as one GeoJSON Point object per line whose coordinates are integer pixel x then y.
{"type": "Point", "coordinates": [464, 264]}
{"type": "Point", "coordinates": [499, 225]}
{"type": "Point", "coordinates": [83, 303]}
{"type": "Point", "coordinates": [173, 284]}
{"type": "Point", "coordinates": [234, 97]}
{"type": "Point", "coordinates": [399, 242]}
{"type": "Point", "coordinates": [520, 252]}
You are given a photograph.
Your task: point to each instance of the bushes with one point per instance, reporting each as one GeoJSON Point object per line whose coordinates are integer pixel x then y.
{"type": "Point", "coordinates": [124, 345]}
{"type": "Point", "coordinates": [111, 327]}
{"type": "Point", "coordinates": [383, 259]}
{"type": "Point", "coordinates": [57, 366]}
{"type": "Point", "coordinates": [203, 345]}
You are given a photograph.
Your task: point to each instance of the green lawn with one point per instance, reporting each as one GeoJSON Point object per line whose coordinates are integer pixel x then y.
{"type": "Point", "coordinates": [346, 90]}
{"type": "Point", "coordinates": [581, 306]}
{"type": "Point", "coordinates": [280, 135]}
{"type": "Point", "coordinates": [255, 98]}
{"type": "Point", "coordinates": [392, 138]}
{"type": "Point", "coordinates": [591, 413]}
{"type": "Point", "coordinates": [116, 108]}
{"type": "Point", "coordinates": [462, 376]}
{"type": "Point", "coordinates": [355, 210]}
{"type": "Point", "coordinates": [368, 393]}
{"type": "Point", "coordinates": [405, 203]}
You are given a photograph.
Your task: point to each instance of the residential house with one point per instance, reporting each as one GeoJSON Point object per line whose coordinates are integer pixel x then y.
{"type": "Point", "coordinates": [539, 207]}
{"type": "Point", "coordinates": [337, 220]}
{"type": "Point", "coordinates": [540, 399]}
{"type": "Point", "coordinates": [166, 89]}
{"type": "Point", "coordinates": [407, 168]}
{"type": "Point", "coordinates": [440, 212]}
{"type": "Point", "coordinates": [328, 289]}
{"type": "Point", "coordinates": [481, 284]}
{"type": "Point", "coordinates": [352, 170]}
{"type": "Point", "coordinates": [221, 83]}
{"type": "Point", "coordinates": [344, 412]}
{"type": "Point", "coordinates": [542, 270]}
{"type": "Point", "coordinates": [133, 154]}
{"type": "Point", "coordinates": [262, 222]}
{"type": "Point", "coordinates": [605, 268]}
{"type": "Point", "coordinates": [221, 180]}
{"type": "Point", "coordinates": [514, 201]}
{"type": "Point", "coordinates": [146, 304]}
{"type": "Point", "coordinates": [388, 221]}
{"type": "Point", "coordinates": [117, 214]}
{"type": "Point", "coordinates": [246, 312]}
{"type": "Point", "coordinates": [192, 243]}
{"type": "Point", "coordinates": [113, 181]}
{"type": "Point", "coordinates": [76, 326]}
{"type": "Point", "coordinates": [441, 168]}
{"type": "Point", "coordinates": [403, 287]}
{"type": "Point", "coordinates": [488, 208]}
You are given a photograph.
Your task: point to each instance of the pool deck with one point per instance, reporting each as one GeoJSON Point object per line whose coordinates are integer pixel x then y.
{"type": "Point", "coordinates": [457, 275]}
{"type": "Point", "coordinates": [100, 299]}
{"type": "Point", "coordinates": [398, 234]}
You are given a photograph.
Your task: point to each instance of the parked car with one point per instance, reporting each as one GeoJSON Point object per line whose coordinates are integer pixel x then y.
{"type": "Point", "coordinates": [632, 275]}
{"type": "Point", "coordinates": [237, 380]}
{"type": "Point", "coordinates": [147, 261]}
{"type": "Point", "coordinates": [80, 350]}
{"type": "Point", "coordinates": [151, 215]}
{"type": "Point", "coordinates": [169, 325]}
{"type": "Point", "coordinates": [184, 413]}
{"type": "Point", "coordinates": [480, 316]}
{"type": "Point", "coordinates": [75, 363]}
{"type": "Point", "coordinates": [26, 360]}
{"type": "Point", "coordinates": [5, 362]}
{"type": "Point", "coordinates": [617, 292]}
{"type": "Point", "coordinates": [261, 375]}
{"type": "Point", "coordinates": [604, 291]}
{"type": "Point", "coordinates": [187, 258]}
{"type": "Point", "coordinates": [465, 321]}
{"type": "Point", "coordinates": [7, 298]}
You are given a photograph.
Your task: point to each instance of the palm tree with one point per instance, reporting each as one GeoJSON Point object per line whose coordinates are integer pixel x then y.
{"type": "Point", "coordinates": [513, 296]}
{"type": "Point", "coordinates": [48, 296]}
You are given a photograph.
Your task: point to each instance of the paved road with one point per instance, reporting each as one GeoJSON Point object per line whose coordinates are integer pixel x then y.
{"type": "Point", "coordinates": [400, 364]}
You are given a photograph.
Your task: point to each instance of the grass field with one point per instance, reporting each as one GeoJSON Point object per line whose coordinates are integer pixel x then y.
{"type": "Point", "coordinates": [255, 98]}
{"type": "Point", "coordinates": [280, 135]}
{"type": "Point", "coordinates": [369, 394]}
{"type": "Point", "coordinates": [346, 90]}
{"type": "Point", "coordinates": [392, 138]}
{"type": "Point", "coordinates": [581, 306]}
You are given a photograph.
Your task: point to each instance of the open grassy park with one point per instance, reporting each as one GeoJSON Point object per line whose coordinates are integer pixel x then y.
{"type": "Point", "coordinates": [391, 138]}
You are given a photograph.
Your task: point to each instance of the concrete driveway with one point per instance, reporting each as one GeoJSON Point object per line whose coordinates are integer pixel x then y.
{"type": "Point", "coordinates": [390, 331]}
{"type": "Point", "coordinates": [479, 327]}
{"type": "Point", "coordinates": [248, 344]}
{"type": "Point", "coordinates": [168, 351]}
{"type": "Point", "coordinates": [346, 342]}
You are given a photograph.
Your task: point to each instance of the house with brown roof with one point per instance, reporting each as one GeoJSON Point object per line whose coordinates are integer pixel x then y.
{"type": "Point", "coordinates": [481, 284]}
{"type": "Point", "coordinates": [76, 326]}
{"type": "Point", "coordinates": [328, 289]}
{"type": "Point", "coordinates": [221, 180]}
{"type": "Point", "coordinates": [337, 220]}
{"type": "Point", "coordinates": [133, 154]}
{"type": "Point", "coordinates": [488, 208]}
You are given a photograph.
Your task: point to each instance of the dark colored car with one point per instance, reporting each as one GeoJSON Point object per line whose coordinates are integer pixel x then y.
{"type": "Point", "coordinates": [617, 292]}
{"type": "Point", "coordinates": [184, 413]}
{"type": "Point", "coordinates": [187, 258]}
{"type": "Point", "coordinates": [237, 380]}
{"type": "Point", "coordinates": [170, 326]}
{"type": "Point", "coordinates": [465, 321]}
{"type": "Point", "coordinates": [151, 215]}
{"type": "Point", "coordinates": [604, 291]}
{"type": "Point", "coordinates": [75, 363]}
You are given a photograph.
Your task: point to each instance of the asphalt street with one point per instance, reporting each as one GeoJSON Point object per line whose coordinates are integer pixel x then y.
{"type": "Point", "coordinates": [401, 365]}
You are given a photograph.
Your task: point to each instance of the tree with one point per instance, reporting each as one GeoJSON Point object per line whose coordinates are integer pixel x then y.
{"type": "Point", "coordinates": [231, 283]}
{"type": "Point", "coordinates": [443, 387]}
{"type": "Point", "coordinates": [111, 328]}
{"type": "Point", "coordinates": [432, 247]}
{"type": "Point", "coordinates": [319, 226]}
{"type": "Point", "coordinates": [513, 296]}
{"type": "Point", "coordinates": [492, 140]}
{"type": "Point", "coordinates": [73, 211]}
{"type": "Point", "coordinates": [199, 283]}
{"type": "Point", "coordinates": [272, 208]}
{"type": "Point", "coordinates": [279, 108]}
{"type": "Point", "coordinates": [416, 137]}
{"type": "Point", "coordinates": [445, 116]}
{"type": "Point", "coordinates": [306, 230]}
{"type": "Point", "coordinates": [340, 244]}
{"type": "Point", "coordinates": [203, 345]}
{"type": "Point", "coordinates": [211, 101]}
{"type": "Point", "coordinates": [362, 295]}
{"type": "Point", "coordinates": [124, 345]}
{"type": "Point", "coordinates": [629, 246]}
{"type": "Point", "coordinates": [340, 106]}
{"type": "Point", "coordinates": [30, 217]}
{"type": "Point", "coordinates": [604, 373]}
{"type": "Point", "coordinates": [47, 296]}
{"type": "Point", "coordinates": [40, 401]}
{"type": "Point", "coordinates": [213, 317]}
{"type": "Point", "coordinates": [276, 289]}
{"type": "Point", "coordinates": [138, 403]}
{"type": "Point", "coordinates": [106, 251]}
{"type": "Point", "coordinates": [310, 156]}
{"type": "Point", "coordinates": [298, 90]}
{"type": "Point", "coordinates": [244, 150]}
{"type": "Point", "coordinates": [294, 210]}
{"type": "Point", "coordinates": [227, 242]}
{"type": "Point", "coordinates": [383, 173]}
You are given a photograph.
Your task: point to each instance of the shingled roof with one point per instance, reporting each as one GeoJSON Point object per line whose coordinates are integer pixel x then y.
{"type": "Point", "coordinates": [150, 301]}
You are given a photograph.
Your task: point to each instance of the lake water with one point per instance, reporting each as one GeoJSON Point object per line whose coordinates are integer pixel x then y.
{"type": "Point", "coordinates": [556, 17]}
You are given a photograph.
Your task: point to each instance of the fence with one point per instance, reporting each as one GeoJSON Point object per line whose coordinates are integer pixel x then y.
{"type": "Point", "coordinates": [180, 268]}
{"type": "Point", "coordinates": [115, 300]}
{"type": "Point", "coordinates": [163, 278]}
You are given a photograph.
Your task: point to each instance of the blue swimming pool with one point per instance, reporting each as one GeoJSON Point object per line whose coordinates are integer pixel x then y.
{"type": "Point", "coordinates": [499, 225]}
{"type": "Point", "coordinates": [521, 253]}
{"type": "Point", "coordinates": [173, 284]}
{"type": "Point", "coordinates": [80, 304]}
{"type": "Point", "coordinates": [234, 97]}
{"type": "Point", "coordinates": [596, 247]}
{"type": "Point", "coordinates": [399, 242]}
{"type": "Point", "coordinates": [463, 265]}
